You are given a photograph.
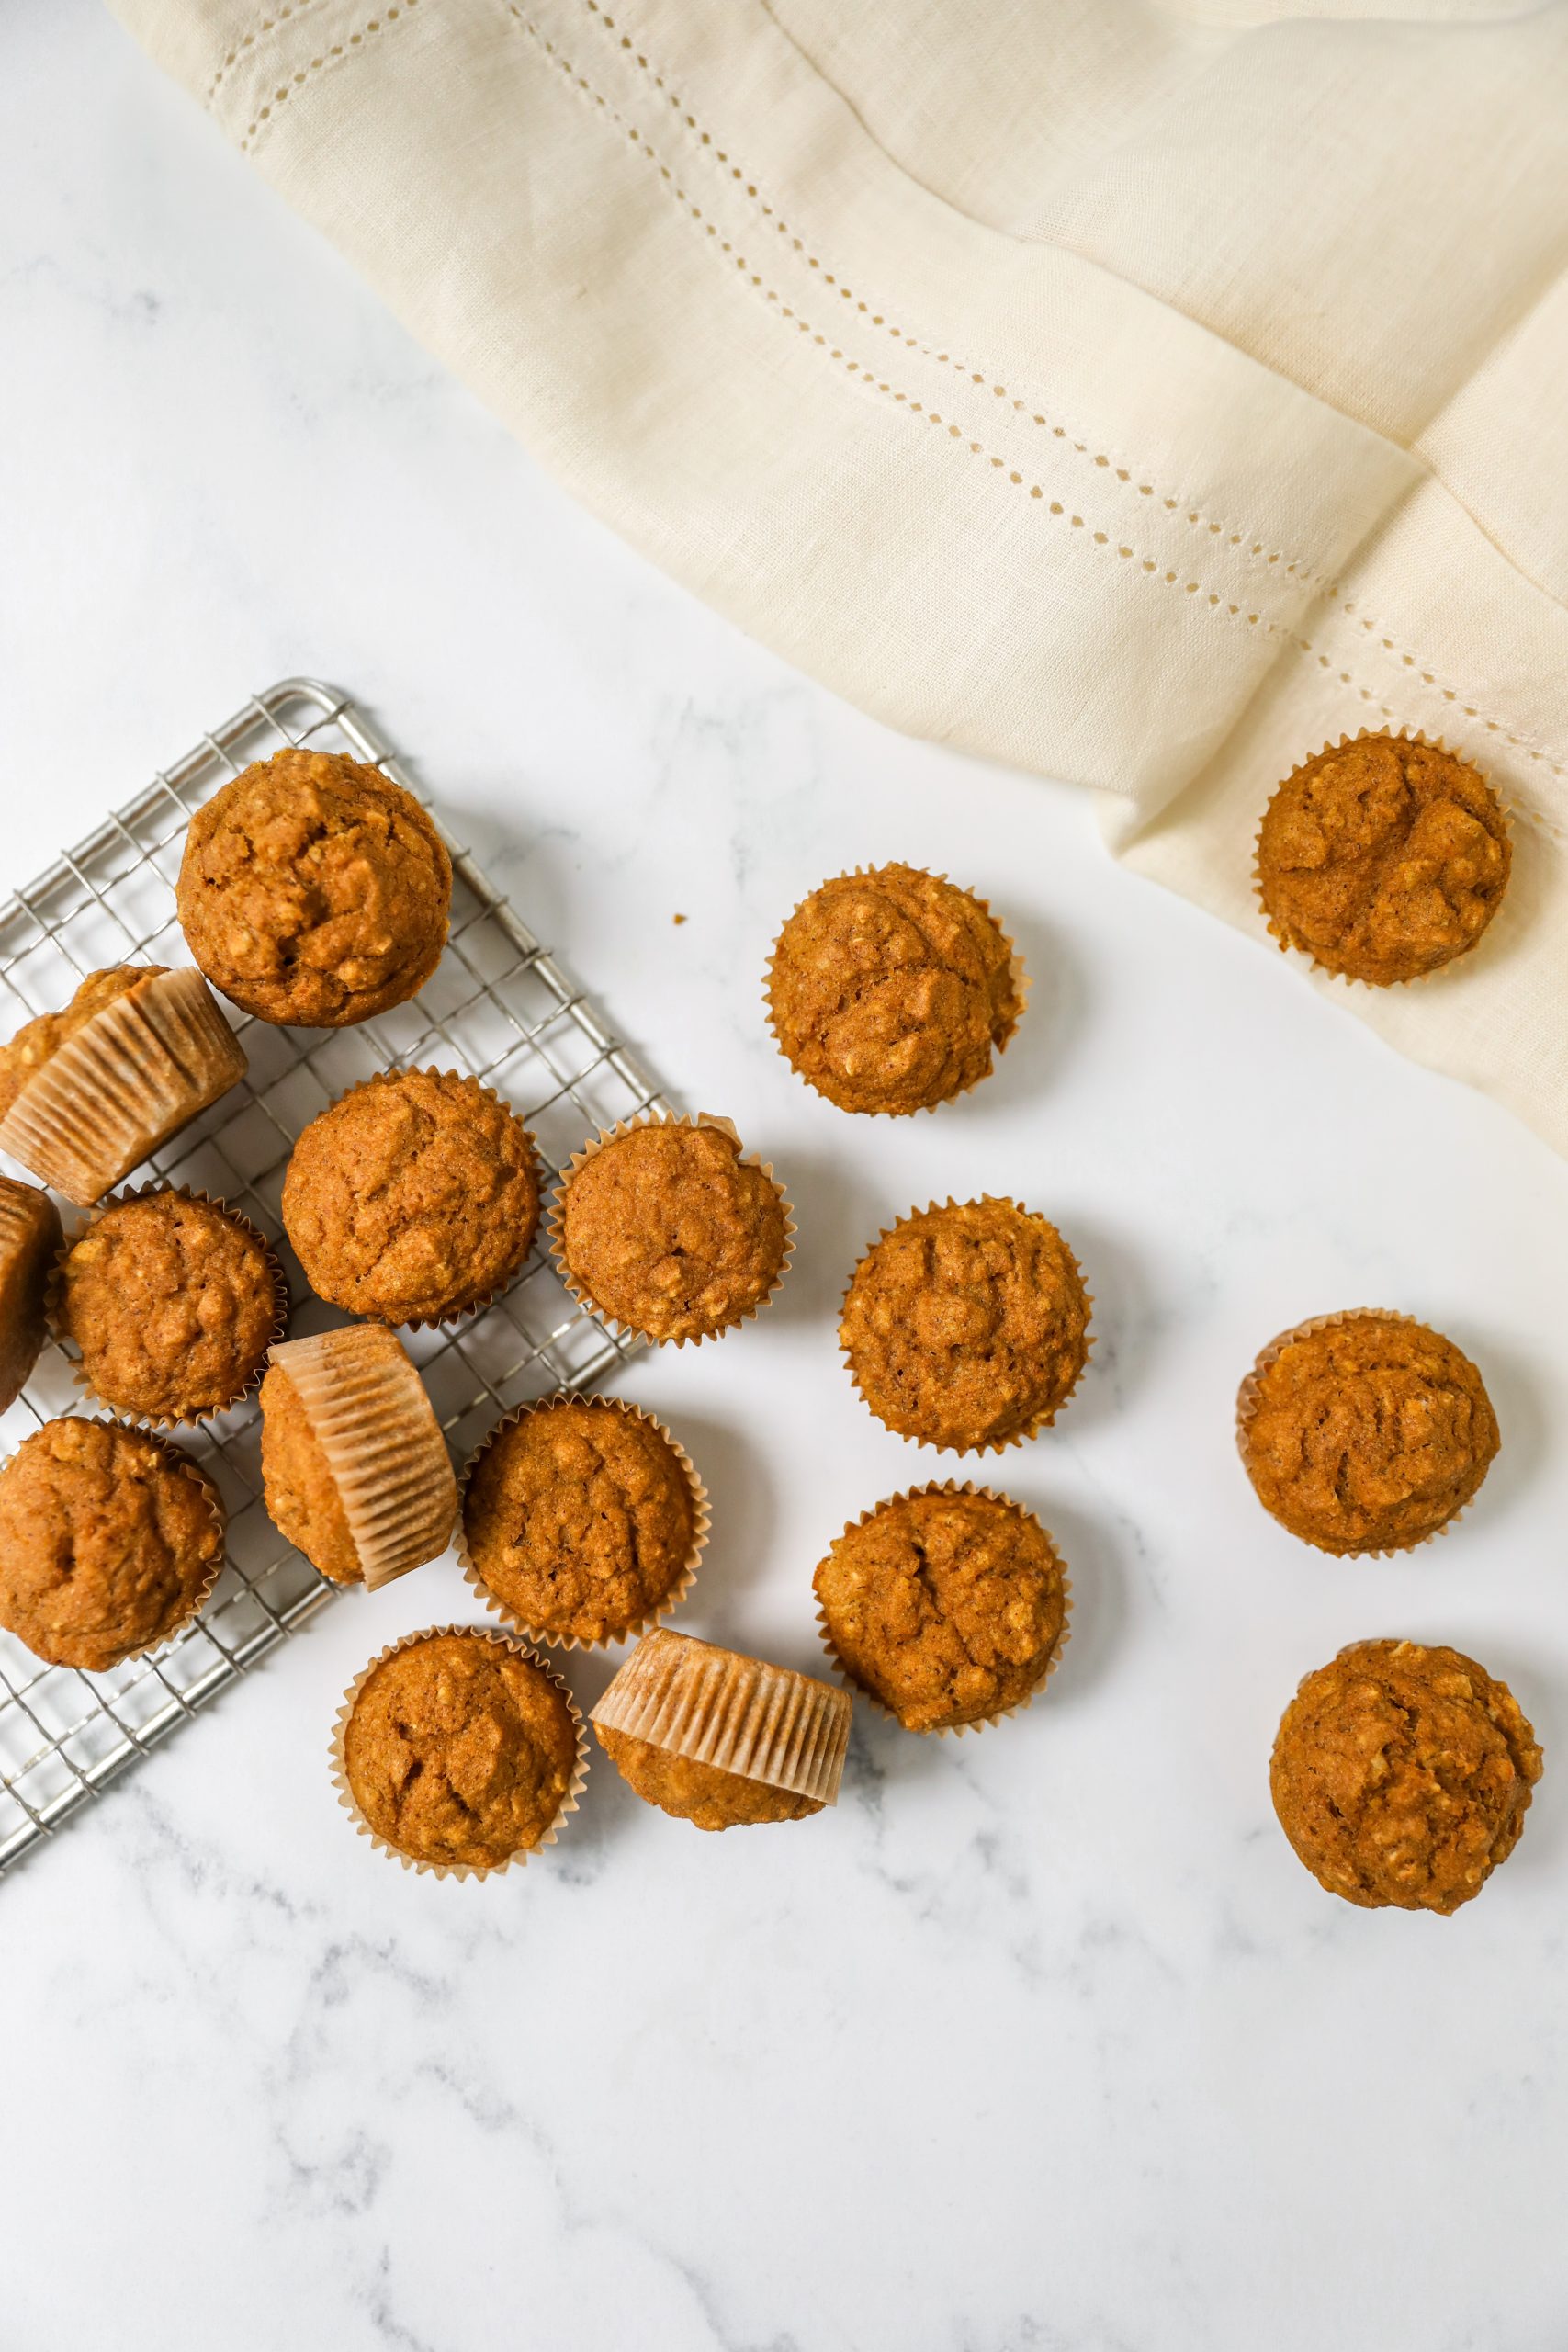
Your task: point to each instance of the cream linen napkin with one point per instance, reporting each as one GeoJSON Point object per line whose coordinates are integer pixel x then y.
{"type": "Point", "coordinates": [1143, 395]}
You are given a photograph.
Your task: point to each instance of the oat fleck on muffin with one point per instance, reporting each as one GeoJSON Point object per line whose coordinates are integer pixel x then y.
{"type": "Point", "coordinates": [109, 1539]}
{"type": "Point", "coordinates": [30, 1239]}
{"type": "Point", "coordinates": [668, 1231]}
{"type": "Point", "coordinates": [313, 890]}
{"type": "Point", "coordinates": [460, 1750]}
{"type": "Point", "coordinates": [1402, 1775]}
{"type": "Point", "coordinates": [1369, 1433]}
{"type": "Point", "coordinates": [890, 990]}
{"type": "Point", "coordinates": [1383, 859]}
{"type": "Point", "coordinates": [580, 1518]}
{"type": "Point", "coordinates": [703, 1794]}
{"type": "Point", "coordinates": [968, 1327]}
{"type": "Point", "coordinates": [414, 1197]}
{"type": "Point", "coordinates": [948, 1606]}
{"type": "Point", "coordinates": [173, 1302]}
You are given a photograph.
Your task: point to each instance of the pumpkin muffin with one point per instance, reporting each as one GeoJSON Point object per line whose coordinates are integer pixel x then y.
{"type": "Point", "coordinates": [314, 891]}
{"type": "Point", "coordinates": [668, 1230]}
{"type": "Point", "coordinates": [1365, 1432]}
{"type": "Point", "coordinates": [1383, 858]}
{"type": "Point", "coordinates": [948, 1606]}
{"type": "Point", "coordinates": [109, 1540]}
{"type": "Point", "coordinates": [968, 1327]}
{"type": "Point", "coordinates": [86, 1093]}
{"type": "Point", "coordinates": [173, 1301]}
{"type": "Point", "coordinates": [890, 990]}
{"type": "Point", "coordinates": [582, 1520]}
{"type": "Point", "coordinates": [355, 1469]}
{"type": "Point", "coordinates": [719, 1739]}
{"type": "Point", "coordinates": [30, 1241]}
{"type": "Point", "coordinates": [459, 1749]}
{"type": "Point", "coordinates": [414, 1197]}
{"type": "Point", "coordinates": [1402, 1775]}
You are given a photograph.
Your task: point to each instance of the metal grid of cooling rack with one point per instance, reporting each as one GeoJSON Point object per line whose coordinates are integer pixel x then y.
{"type": "Point", "coordinates": [499, 1007]}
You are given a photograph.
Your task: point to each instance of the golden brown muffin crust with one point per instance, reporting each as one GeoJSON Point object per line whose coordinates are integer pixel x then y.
{"type": "Point", "coordinates": [107, 1536]}
{"type": "Point", "coordinates": [298, 1486]}
{"type": "Point", "coordinates": [1402, 1775]}
{"type": "Point", "coordinates": [669, 1232]}
{"type": "Point", "coordinates": [966, 1325]}
{"type": "Point", "coordinates": [702, 1794]}
{"type": "Point", "coordinates": [29, 1242]}
{"type": "Point", "coordinates": [173, 1302]}
{"type": "Point", "coordinates": [314, 891]}
{"type": "Point", "coordinates": [411, 1197]}
{"type": "Point", "coordinates": [459, 1751]}
{"type": "Point", "coordinates": [949, 1607]}
{"type": "Point", "coordinates": [1369, 1435]}
{"type": "Point", "coordinates": [1382, 858]}
{"type": "Point", "coordinates": [37, 1041]}
{"type": "Point", "coordinates": [890, 990]}
{"type": "Point", "coordinates": [579, 1517]}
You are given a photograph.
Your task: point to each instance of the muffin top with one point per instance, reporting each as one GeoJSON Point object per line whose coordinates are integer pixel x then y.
{"type": "Point", "coordinates": [889, 990]}
{"type": "Point", "coordinates": [702, 1794]}
{"type": "Point", "coordinates": [302, 1497]}
{"type": "Point", "coordinates": [37, 1041]}
{"type": "Point", "coordinates": [1367, 1435]}
{"type": "Point", "coordinates": [108, 1537]}
{"type": "Point", "coordinates": [967, 1327]}
{"type": "Point", "coordinates": [459, 1750]}
{"type": "Point", "coordinates": [173, 1302]}
{"type": "Point", "coordinates": [579, 1517]}
{"type": "Point", "coordinates": [30, 1238]}
{"type": "Point", "coordinates": [1402, 1775]}
{"type": "Point", "coordinates": [412, 1197]}
{"type": "Point", "coordinates": [314, 891]}
{"type": "Point", "coordinates": [1382, 858]}
{"type": "Point", "coordinates": [668, 1231]}
{"type": "Point", "coordinates": [948, 1607]}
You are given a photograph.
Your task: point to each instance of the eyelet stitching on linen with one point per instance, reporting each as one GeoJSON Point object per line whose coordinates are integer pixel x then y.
{"type": "Point", "coordinates": [252, 39]}
{"type": "Point", "coordinates": [339, 49]}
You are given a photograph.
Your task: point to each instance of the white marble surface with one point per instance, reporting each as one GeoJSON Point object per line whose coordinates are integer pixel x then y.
{"type": "Point", "coordinates": [1044, 2039]}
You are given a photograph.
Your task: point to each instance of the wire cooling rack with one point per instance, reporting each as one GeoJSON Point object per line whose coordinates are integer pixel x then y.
{"type": "Point", "coordinates": [499, 1007]}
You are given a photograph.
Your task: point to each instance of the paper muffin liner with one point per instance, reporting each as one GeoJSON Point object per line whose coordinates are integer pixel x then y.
{"type": "Point", "coordinates": [1017, 974]}
{"type": "Point", "coordinates": [1283, 939]}
{"type": "Point", "coordinates": [955, 1731]}
{"type": "Point", "coordinates": [701, 1523]}
{"type": "Point", "coordinates": [143, 1065]}
{"type": "Point", "coordinates": [22, 1343]}
{"type": "Point", "coordinates": [556, 1223]}
{"type": "Point", "coordinates": [350, 1803]}
{"type": "Point", "coordinates": [1041, 1420]}
{"type": "Point", "coordinates": [54, 1304]}
{"type": "Point", "coordinates": [1247, 1405]}
{"type": "Point", "coordinates": [192, 1469]}
{"type": "Point", "coordinates": [738, 1713]}
{"type": "Point", "coordinates": [372, 1417]}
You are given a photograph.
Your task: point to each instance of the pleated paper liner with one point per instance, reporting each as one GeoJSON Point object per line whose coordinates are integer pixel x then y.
{"type": "Point", "coordinates": [79, 1373]}
{"type": "Point", "coordinates": [738, 1713]}
{"type": "Point", "coordinates": [1287, 940]}
{"type": "Point", "coordinates": [415, 1863]}
{"type": "Point", "coordinates": [1247, 1405]}
{"type": "Point", "coordinates": [1041, 1420]}
{"type": "Point", "coordinates": [557, 1224]}
{"type": "Point", "coordinates": [30, 1241]}
{"type": "Point", "coordinates": [146, 1063]}
{"type": "Point", "coordinates": [943, 1730]}
{"type": "Point", "coordinates": [370, 1413]}
{"type": "Point", "coordinates": [1017, 977]}
{"type": "Point", "coordinates": [685, 1578]}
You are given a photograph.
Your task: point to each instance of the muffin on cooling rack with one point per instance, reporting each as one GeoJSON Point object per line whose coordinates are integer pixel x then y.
{"type": "Point", "coordinates": [355, 1469]}
{"type": "Point", "coordinates": [412, 1198]}
{"type": "Point", "coordinates": [30, 1240]}
{"type": "Point", "coordinates": [891, 989]}
{"type": "Point", "coordinates": [313, 890]}
{"type": "Point", "coordinates": [173, 1301]}
{"type": "Point", "coordinates": [87, 1093]}
{"type": "Point", "coordinates": [110, 1539]}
